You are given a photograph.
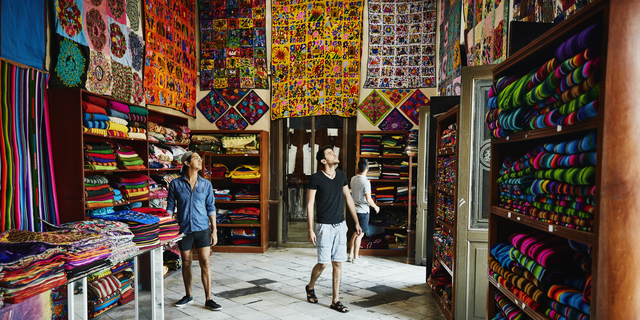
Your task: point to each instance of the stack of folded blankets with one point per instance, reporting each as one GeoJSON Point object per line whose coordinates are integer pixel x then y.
{"type": "Point", "coordinates": [117, 235]}
{"type": "Point", "coordinates": [145, 227]}
{"type": "Point", "coordinates": [374, 170]}
{"type": "Point", "coordinates": [412, 143]}
{"type": "Point", "coordinates": [554, 182]}
{"type": "Point", "coordinates": [218, 170]}
{"type": "Point", "coordinates": [183, 134]}
{"type": "Point", "coordinates": [29, 268]}
{"type": "Point", "coordinates": [168, 227]}
{"type": "Point", "coordinates": [222, 215]}
{"type": "Point", "coordinates": [116, 112]}
{"type": "Point", "coordinates": [444, 247]}
{"type": "Point", "coordinates": [124, 274]}
{"type": "Point", "coordinates": [248, 193]}
{"type": "Point", "coordinates": [370, 144]}
{"type": "Point", "coordinates": [160, 157]}
{"type": "Point", "coordinates": [98, 193]}
{"type": "Point", "coordinates": [549, 274]}
{"type": "Point", "coordinates": [99, 156]}
{"type": "Point", "coordinates": [245, 173]}
{"type": "Point", "coordinates": [393, 145]}
{"type": "Point", "coordinates": [392, 170]}
{"type": "Point", "coordinates": [104, 294]}
{"type": "Point", "coordinates": [385, 193]}
{"type": "Point", "coordinates": [157, 191]}
{"type": "Point", "coordinates": [403, 194]}
{"type": "Point", "coordinates": [158, 133]}
{"type": "Point", "coordinates": [134, 186]}
{"type": "Point", "coordinates": [245, 236]}
{"type": "Point", "coordinates": [171, 260]}
{"type": "Point", "coordinates": [94, 117]}
{"type": "Point", "coordinates": [242, 144]}
{"type": "Point", "coordinates": [440, 281]}
{"type": "Point", "coordinates": [506, 310]}
{"type": "Point", "coordinates": [563, 91]}
{"type": "Point", "coordinates": [128, 158]}
{"type": "Point", "coordinates": [206, 143]}
{"type": "Point", "coordinates": [248, 215]}
{"type": "Point", "coordinates": [448, 137]}
{"type": "Point", "coordinates": [222, 194]}
{"type": "Point", "coordinates": [137, 123]}
{"type": "Point", "coordinates": [160, 182]}
{"type": "Point", "coordinates": [404, 170]}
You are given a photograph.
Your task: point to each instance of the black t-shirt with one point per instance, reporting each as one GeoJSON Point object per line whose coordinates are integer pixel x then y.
{"type": "Point", "coordinates": [329, 196]}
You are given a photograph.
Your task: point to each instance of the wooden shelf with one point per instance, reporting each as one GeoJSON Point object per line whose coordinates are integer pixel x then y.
{"type": "Point", "coordinates": [446, 151]}
{"type": "Point", "coordinates": [447, 191]}
{"type": "Point", "coordinates": [241, 249]}
{"type": "Point", "coordinates": [239, 201]}
{"type": "Point", "coordinates": [558, 230]}
{"type": "Point", "coordinates": [444, 265]}
{"type": "Point", "coordinates": [384, 252]}
{"type": "Point", "coordinates": [112, 137]}
{"type": "Point", "coordinates": [231, 225]}
{"type": "Point", "coordinates": [118, 170]}
{"type": "Point", "coordinates": [388, 180]}
{"type": "Point", "coordinates": [447, 227]}
{"type": "Point", "coordinates": [383, 157]}
{"type": "Point", "coordinates": [530, 312]}
{"type": "Point", "coordinates": [170, 143]}
{"type": "Point", "coordinates": [393, 204]}
{"type": "Point", "coordinates": [116, 205]}
{"type": "Point", "coordinates": [443, 307]}
{"type": "Point", "coordinates": [224, 155]}
{"type": "Point", "coordinates": [549, 132]}
{"type": "Point", "coordinates": [164, 170]}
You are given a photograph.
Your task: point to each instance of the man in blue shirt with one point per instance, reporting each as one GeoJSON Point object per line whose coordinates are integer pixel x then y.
{"type": "Point", "coordinates": [191, 202]}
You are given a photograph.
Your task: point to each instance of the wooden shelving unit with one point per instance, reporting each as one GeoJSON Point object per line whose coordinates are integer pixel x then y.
{"type": "Point", "coordinates": [231, 161]}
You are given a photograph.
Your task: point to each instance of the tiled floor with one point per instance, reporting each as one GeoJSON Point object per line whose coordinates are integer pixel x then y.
{"type": "Point", "coordinates": [271, 286]}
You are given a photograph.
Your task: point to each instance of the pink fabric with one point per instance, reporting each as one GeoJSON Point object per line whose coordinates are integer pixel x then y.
{"type": "Point", "coordinates": [115, 105]}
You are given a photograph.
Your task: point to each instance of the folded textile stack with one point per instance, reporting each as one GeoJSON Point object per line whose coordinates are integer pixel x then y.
{"type": "Point", "coordinates": [564, 91]}
{"type": "Point", "coordinates": [117, 234]}
{"type": "Point", "coordinates": [160, 157]}
{"type": "Point", "coordinates": [403, 194]}
{"type": "Point", "coordinates": [445, 209]}
{"type": "Point", "coordinates": [168, 227]}
{"type": "Point", "coordinates": [446, 174]}
{"type": "Point", "coordinates": [506, 310]}
{"type": "Point", "coordinates": [392, 170]}
{"type": "Point", "coordinates": [554, 183]}
{"type": "Point", "coordinates": [126, 284]}
{"type": "Point", "coordinates": [222, 215]}
{"type": "Point", "coordinates": [156, 191]}
{"type": "Point", "coordinates": [245, 236]}
{"type": "Point", "coordinates": [388, 217]}
{"type": "Point", "coordinates": [104, 294]}
{"type": "Point", "coordinates": [98, 193]}
{"type": "Point", "coordinates": [134, 186]}
{"type": "Point", "coordinates": [28, 269]}
{"type": "Point", "coordinates": [245, 173]}
{"type": "Point", "coordinates": [385, 193]}
{"type": "Point", "coordinates": [248, 192]}
{"type": "Point", "coordinates": [393, 145]}
{"type": "Point", "coordinates": [374, 170]}
{"type": "Point", "coordinates": [248, 215]}
{"type": "Point", "coordinates": [99, 156]}
{"type": "Point", "coordinates": [95, 117]}
{"type": "Point", "coordinates": [145, 227]}
{"type": "Point", "coordinates": [206, 143]}
{"type": "Point", "coordinates": [158, 133]}
{"type": "Point", "coordinates": [218, 170]}
{"type": "Point", "coordinates": [444, 247]}
{"type": "Point", "coordinates": [412, 143]}
{"type": "Point", "coordinates": [117, 113]}
{"type": "Point", "coordinates": [448, 137]}
{"type": "Point", "coordinates": [183, 134]}
{"type": "Point", "coordinates": [440, 281]}
{"type": "Point", "coordinates": [242, 144]}
{"type": "Point", "coordinates": [549, 274]}
{"type": "Point", "coordinates": [137, 123]}
{"type": "Point", "coordinates": [222, 194]}
{"type": "Point", "coordinates": [370, 144]}
{"type": "Point", "coordinates": [404, 170]}
{"type": "Point", "coordinates": [128, 158]}
{"type": "Point", "coordinates": [171, 260]}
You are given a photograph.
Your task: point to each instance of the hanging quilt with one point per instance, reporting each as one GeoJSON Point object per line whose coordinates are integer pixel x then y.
{"type": "Point", "coordinates": [449, 49]}
{"type": "Point", "coordinates": [22, 37]}
{"type": "Point", "coordinates": [133, 15]}
{"type": "Point", "coordinates": [232, 96]}
{"type": "Point", "coordinates": [116, 10]}
{"type": "Point", "coordinates": [374, 107]}
{"type": "Point", "coordinates": [119, 43]}
{"type": "Point", "coordinates": [547, 10]}
{"type": "Point", "coordinates": [212, 106]}
{"type": "Point", "coordinates": [169, 73]}
{"type": "Point", "coordinates": [411, 107]}
{"type": "Point", "coordinates": [395, 121]}
{"type": "Point", "coordinates": [315, 58]}
{"type": "Point", "coordinates": [70, 63]}
{"type": "Point", "coordinates": [402, 36]}
{"type": "Point", "coordinates": [97, 22]}
{"type": "Point", "coordinates": [122, 81]}
{"type": "Point", "coordinates": [395, 95]}
{"type": "Point", "coordinates": [233, 44]}
{"type": "Point", "coordinates": [231, 120]}
{"type": "Point", "coordinates": [486, 31]}
{"type": "Point", "coordinates": [99, 77]}
{"type": "Point", "coordinates": [252, 107]}
{"type": "Point", "coordinates": [69, 21]}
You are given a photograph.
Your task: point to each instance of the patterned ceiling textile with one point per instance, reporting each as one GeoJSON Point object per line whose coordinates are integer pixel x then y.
{"type": "Point", "coordinates": [170, 70]}
{"type": "Point", "coordinates": [486, 31]}
{"type": "Point", "coordinates": [252, 107]}
{"type": "Point", "coordinates": [449, 48]}
{"type": "Point", "coordinates": [402, 36]}
{"type": "Point", "coordinates": [232, 120]}
{"type": "Point", "coordinates": [374, 107]}
{"type": "Point", "coordinates": [233, 44]}
{"type": "Point", "coordinates": [212, 106]}
{"type": "Point", "coordinates": [395, 96]}
{"type": "Point", "coordinates": [326, 80]}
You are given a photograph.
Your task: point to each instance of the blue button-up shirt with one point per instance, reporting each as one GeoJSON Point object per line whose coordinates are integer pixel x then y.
{"type": "Point", "coordinates": [193, 207]}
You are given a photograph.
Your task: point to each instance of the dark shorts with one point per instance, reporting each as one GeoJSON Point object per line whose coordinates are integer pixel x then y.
{"type": "Point", "coordinates": [363, 218]}
{"type": "Point", "coordinates": [201, 239]}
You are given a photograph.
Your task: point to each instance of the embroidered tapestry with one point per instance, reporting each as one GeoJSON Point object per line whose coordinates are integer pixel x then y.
{"type": "Point", "coordinates": [23, 25]}
{"type": "Point", "coordinates": [231, 120]}
{"type": "Point", "coordinates": [170, 60]}
{"type": "Point", "coordinates": [69, 63]}
{"type": "Point", "coordinates": [547, 10]}
{"type": "Point", "coordinates": [233, 44]}
{"type": "Point", "coordinates": [374, 107]}
{"type": "Point", "coordinates": [486, 31]}
{"type": "Point", "coordinates": [395, 121]}
{"type": "Point", "coordinates": [212, 106]}
{"type": "Point", "coordinates": [232, 96]}
{"type": "Point", "coordinates": [449, 48]}
{"type": "Point", "coordinates": [99, 77]}
{"type": "Point", "coordinates": [69, 21]}
{"type": "Point", "coordinates": [316, 58]}
{"type": "Point", "coordinates": [411, 107]}
{"type": "Point", "coordinates": [395, 95]}
{"type": "Point", "coordinates": [402, 36]}
{"type": "Point", "coordinates": [252, 107]}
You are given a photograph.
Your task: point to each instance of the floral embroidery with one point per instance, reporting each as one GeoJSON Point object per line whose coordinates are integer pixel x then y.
{"type": "Point", "coordinates": [137, 51]}
{"type": "Point", "coordinates": [231, 120]}
{"type": "Point", "coordinates": [121, 81]}
{"type": "Point", "coordinates": [70, 66]}
{"type": "Point", "coordinates": [133, 14]}
{"type": "Point", "coordinates": [138, 89]}
{"type": "Point", "coordinates": [96, 2]}
{"type": "Point", "coordinates": [117, 8]}
{"type": "Point", "coordinates": [69, 16]}
{"type": "Point", "coordinates": [99, 77]}
{"type": "Point", "coordinates": [118, 41]}
{"type": "Point", "coordinates": [97, 29]}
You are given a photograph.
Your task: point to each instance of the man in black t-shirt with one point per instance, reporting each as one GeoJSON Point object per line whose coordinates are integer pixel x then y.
{"type": "Point", "coordinates": [329, 187]}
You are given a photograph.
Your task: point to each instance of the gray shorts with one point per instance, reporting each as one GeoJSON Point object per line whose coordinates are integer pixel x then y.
{"type": "Point", "coordinates": [331, 240]}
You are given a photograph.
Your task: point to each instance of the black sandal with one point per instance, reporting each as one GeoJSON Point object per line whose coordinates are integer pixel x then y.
{"type": "Point", "coordinates": [311, 294]}
{"type": "Point", "coordinates": [338, 306]}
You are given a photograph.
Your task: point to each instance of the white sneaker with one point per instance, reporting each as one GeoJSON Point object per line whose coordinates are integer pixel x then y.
{"type": "Point", "coordinates": [359, 261]}
{"type": "Point", "coordinates": [349, 259]}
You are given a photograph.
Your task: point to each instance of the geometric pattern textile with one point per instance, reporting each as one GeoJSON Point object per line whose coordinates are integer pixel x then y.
{"type": "Point", "coordinates": [395, 121]}
{"type": "Point", "coordinates": [252, 108]}
{"type": "Point", "coordinates": [450, 65]}
{"type": "Point", "coordinates": [233, 44]}
{"type": "Point", "coordinates": [485, 32]}
{"type": "Point", "coordinates": [315, 58]}
{"type": "Point", "coordinates": [374, 107]}
{"type": "Point", "coordinates": [170, 68]}
{"type": "Point", "coordinates": [232, 120]}
{"type": "Point", "coordinates": [402, 36]}
{"type": "Point", "coordinates": [395, 95]}
{"type": "Point", "coordinates": [411, 107]}
{"type": "Point", "coordinates": [212, 106]}
{"type": "Point", "coordinates": [232, 96]}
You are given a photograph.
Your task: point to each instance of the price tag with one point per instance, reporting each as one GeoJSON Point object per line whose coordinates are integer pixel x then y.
{"type": "Point", "coordinates": [517, 302]}
{"type": "Point", "coordinates": [524, 306]}
{"type": "Point", "coordinates": [507, 138]}
{"type": "Point", "coordinates": [498, 285]}
{"type": "Point", "coordinates": [509, 214]}
{"type": "Point", "coordinates": [550, 228]}
{"type": "Point", "coordinates": [559, 127]}
{"type": "Point", "coordinates": [246, 155]}
{"type": "Point", "coordinates": [518, 218]}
